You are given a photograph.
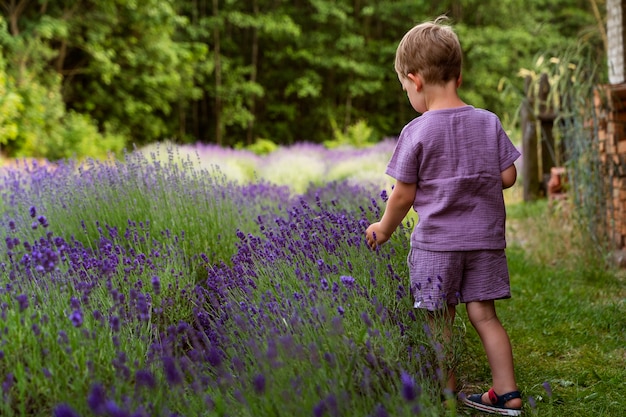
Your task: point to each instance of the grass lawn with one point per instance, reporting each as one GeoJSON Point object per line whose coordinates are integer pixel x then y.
{"type": "Point", "coordinates": [566, 320]}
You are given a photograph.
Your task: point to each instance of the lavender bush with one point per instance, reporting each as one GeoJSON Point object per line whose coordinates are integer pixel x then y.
{"type": "Point", "coordinates": [156, 286]}
{"type": "Point", "coordinates": [297, 166]}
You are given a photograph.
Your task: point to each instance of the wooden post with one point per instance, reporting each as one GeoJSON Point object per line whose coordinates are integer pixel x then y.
{"type": "Point", "coordinates": [530, 160]}
{"type": "Point", "coordinates": [546, 116]}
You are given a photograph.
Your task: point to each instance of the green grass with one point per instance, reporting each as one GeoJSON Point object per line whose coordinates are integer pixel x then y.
{"type": "Point", "coordinates": [566, 319]}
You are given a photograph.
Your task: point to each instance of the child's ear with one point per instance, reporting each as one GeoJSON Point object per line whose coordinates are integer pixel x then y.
{"type": "Point", "coordinates": [417, 80]}
{"type": "Point", "coordinates": [459, 81]}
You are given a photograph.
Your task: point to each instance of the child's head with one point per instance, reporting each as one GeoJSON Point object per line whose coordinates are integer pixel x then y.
{"type": "Point", "coordinates": [431, 49]}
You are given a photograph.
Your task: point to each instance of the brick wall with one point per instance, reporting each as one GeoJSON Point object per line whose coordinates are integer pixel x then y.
{"type": "Point", "coordinates": [612, 147]}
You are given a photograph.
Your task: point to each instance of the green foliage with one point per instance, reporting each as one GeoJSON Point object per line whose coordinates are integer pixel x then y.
{"type": "Point", "coordinates": [11, 106]}
{"type": "Point", "coordinates": [358, 135]}
{"type": "Point", "coordinates": [262, 147]}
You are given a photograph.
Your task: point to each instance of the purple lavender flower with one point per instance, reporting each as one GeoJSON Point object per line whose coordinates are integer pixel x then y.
{"type": "Point", "coordinates": [156, 285]}
{"type": "Point", "coordinates": [409, 389]}
{"type": "Point", "coordinates": [214, 356]}
{"type": "Point", "coordinates": [96, 398]}
{"type": "Point", "coordinates": [347, 281]}
{"type": "Point", "coordinates": [532, 402]}
{"type": "Point", "coordinates": [11, 225]}
{"type": "Point", "coordinates": [43, 221]}
{"type": "Point", "coordinates": [114, 410]}
{"type": "Point", "coordinates": [142, 307]}
{"type": "Point", "coordinates": [114, 322]}
{"type": "Point", "coordinates": [64, 410]}
{"type": "Point", "coordinates": [384, 196]}
{"type": "Point", "coordinates": [33, 211]}
{"type": "Point", "coordinates": [22, 300]}
{"type": "Point", "coordinates": [330, 359]}
{"type": "Point", "coordinates": [145, 378]}
{"type": "Point", "coordinates": [171, 371]}
{"type": "Point", "coordinates": [366, 319]}
{"type": "Point", "coordinates": [63, 339]}
{"type": "Point", "coordinates": [548, 388]}
{"type": "Point", "coordinates": [76, 318]}
{"type": "Point", "coordinates": [8, 382]}
{"type": "Point", "coordinates": [34, 225]}
{"type": "Point", "coordinates": [319, 409]}
{"type": "Point", "coordinates": [380, 411]}
{"type": "Point", "coordinates": [259, 383]}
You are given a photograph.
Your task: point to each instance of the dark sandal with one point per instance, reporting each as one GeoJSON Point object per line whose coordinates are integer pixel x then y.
{"type": "Point", "coordinates": [497, 403]}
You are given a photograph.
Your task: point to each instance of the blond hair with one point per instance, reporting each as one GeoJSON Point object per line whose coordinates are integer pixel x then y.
{"type": "Point", "coordinates": [431, 49]}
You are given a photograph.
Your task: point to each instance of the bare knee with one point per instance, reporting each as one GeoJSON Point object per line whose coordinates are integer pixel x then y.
{"type": "Point", "coordinates": [481, 312]}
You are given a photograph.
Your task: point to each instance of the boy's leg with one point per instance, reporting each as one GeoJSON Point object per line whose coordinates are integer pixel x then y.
{"type": "Point", "coordinates": [495, 340]}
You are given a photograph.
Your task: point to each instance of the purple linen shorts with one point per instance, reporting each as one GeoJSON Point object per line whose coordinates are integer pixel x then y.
{"type": "Point", "coordinates": [440, 278]}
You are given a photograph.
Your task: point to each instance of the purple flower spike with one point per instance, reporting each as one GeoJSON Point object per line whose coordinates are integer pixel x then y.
{"type": "Point", "coordinates": [145, 378]}
{"type": "Point", "coordinates": [76, 318]}
{"type": "Point", "coordinates": [22, 300]}
{"type": "Point", "coordinates": [113, 410]}
{"type": "Point", "coordinates": [171, 371]}
{"type": "Point", "coordinates": [96, 398]}
{"type": "Point", "coordinates": [384, 196]}
{"type": "Point", "coordinates": [380, 411]}
{"type": "Point", "coordinates": [33, 211]}
{"type": "Point", "coordinates": [8, 383]}
{"type": "Point", "coordinates": [548, 388]}
{"type": "Point", "coordinates": [156, 284]}
{"type": "Point", "coordinates": [347, 281]}
{"type": "Point", "coordinates": [115, 323]}
{"type": "Point", "coordinates": [259, 383]}
{"type": "Point", "coordinates": [409, 389]}
{"type": "Point", "coordinates": [319, 409]}
{"type": "Point", "coordinates": [43, 221]}
{"type": "Point", "coordinates": [64, 410]}
{"type": "Point", "coordinates": [11, 225]}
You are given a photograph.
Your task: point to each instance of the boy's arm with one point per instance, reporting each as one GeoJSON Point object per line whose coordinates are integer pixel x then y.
{"type": "Point", "coordinates": [509, 176]}
{"type": "Point", "coordinates": [398, 205]}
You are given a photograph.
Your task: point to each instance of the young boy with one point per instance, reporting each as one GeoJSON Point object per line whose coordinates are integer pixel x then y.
{"type": "Point", "coordinates": [450, 165]}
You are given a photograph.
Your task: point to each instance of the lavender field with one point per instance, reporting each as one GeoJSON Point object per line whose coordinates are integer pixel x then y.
{"type": "Point", "coordinates": [207, 282]}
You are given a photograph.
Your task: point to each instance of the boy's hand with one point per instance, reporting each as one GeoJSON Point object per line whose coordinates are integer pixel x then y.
{"type": "Point", "coordinates": [375, 235]}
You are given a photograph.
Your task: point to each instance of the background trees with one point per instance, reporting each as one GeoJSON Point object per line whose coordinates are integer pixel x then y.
{"type": "Point", "coordinates": [87, 76]}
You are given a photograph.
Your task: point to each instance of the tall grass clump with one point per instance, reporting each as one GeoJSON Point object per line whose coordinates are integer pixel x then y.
{"type": "Point", "coordinates": [154, 287]}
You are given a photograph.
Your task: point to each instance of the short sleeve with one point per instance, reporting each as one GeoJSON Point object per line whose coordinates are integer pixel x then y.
{"type": "Point", "coordinates": [508, 151]}
{"type": "Point", "coordinates": [403, 165]}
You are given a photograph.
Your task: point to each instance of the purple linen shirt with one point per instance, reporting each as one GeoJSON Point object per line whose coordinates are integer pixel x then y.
{"type": "Point", "coordinates": [456, 157]}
